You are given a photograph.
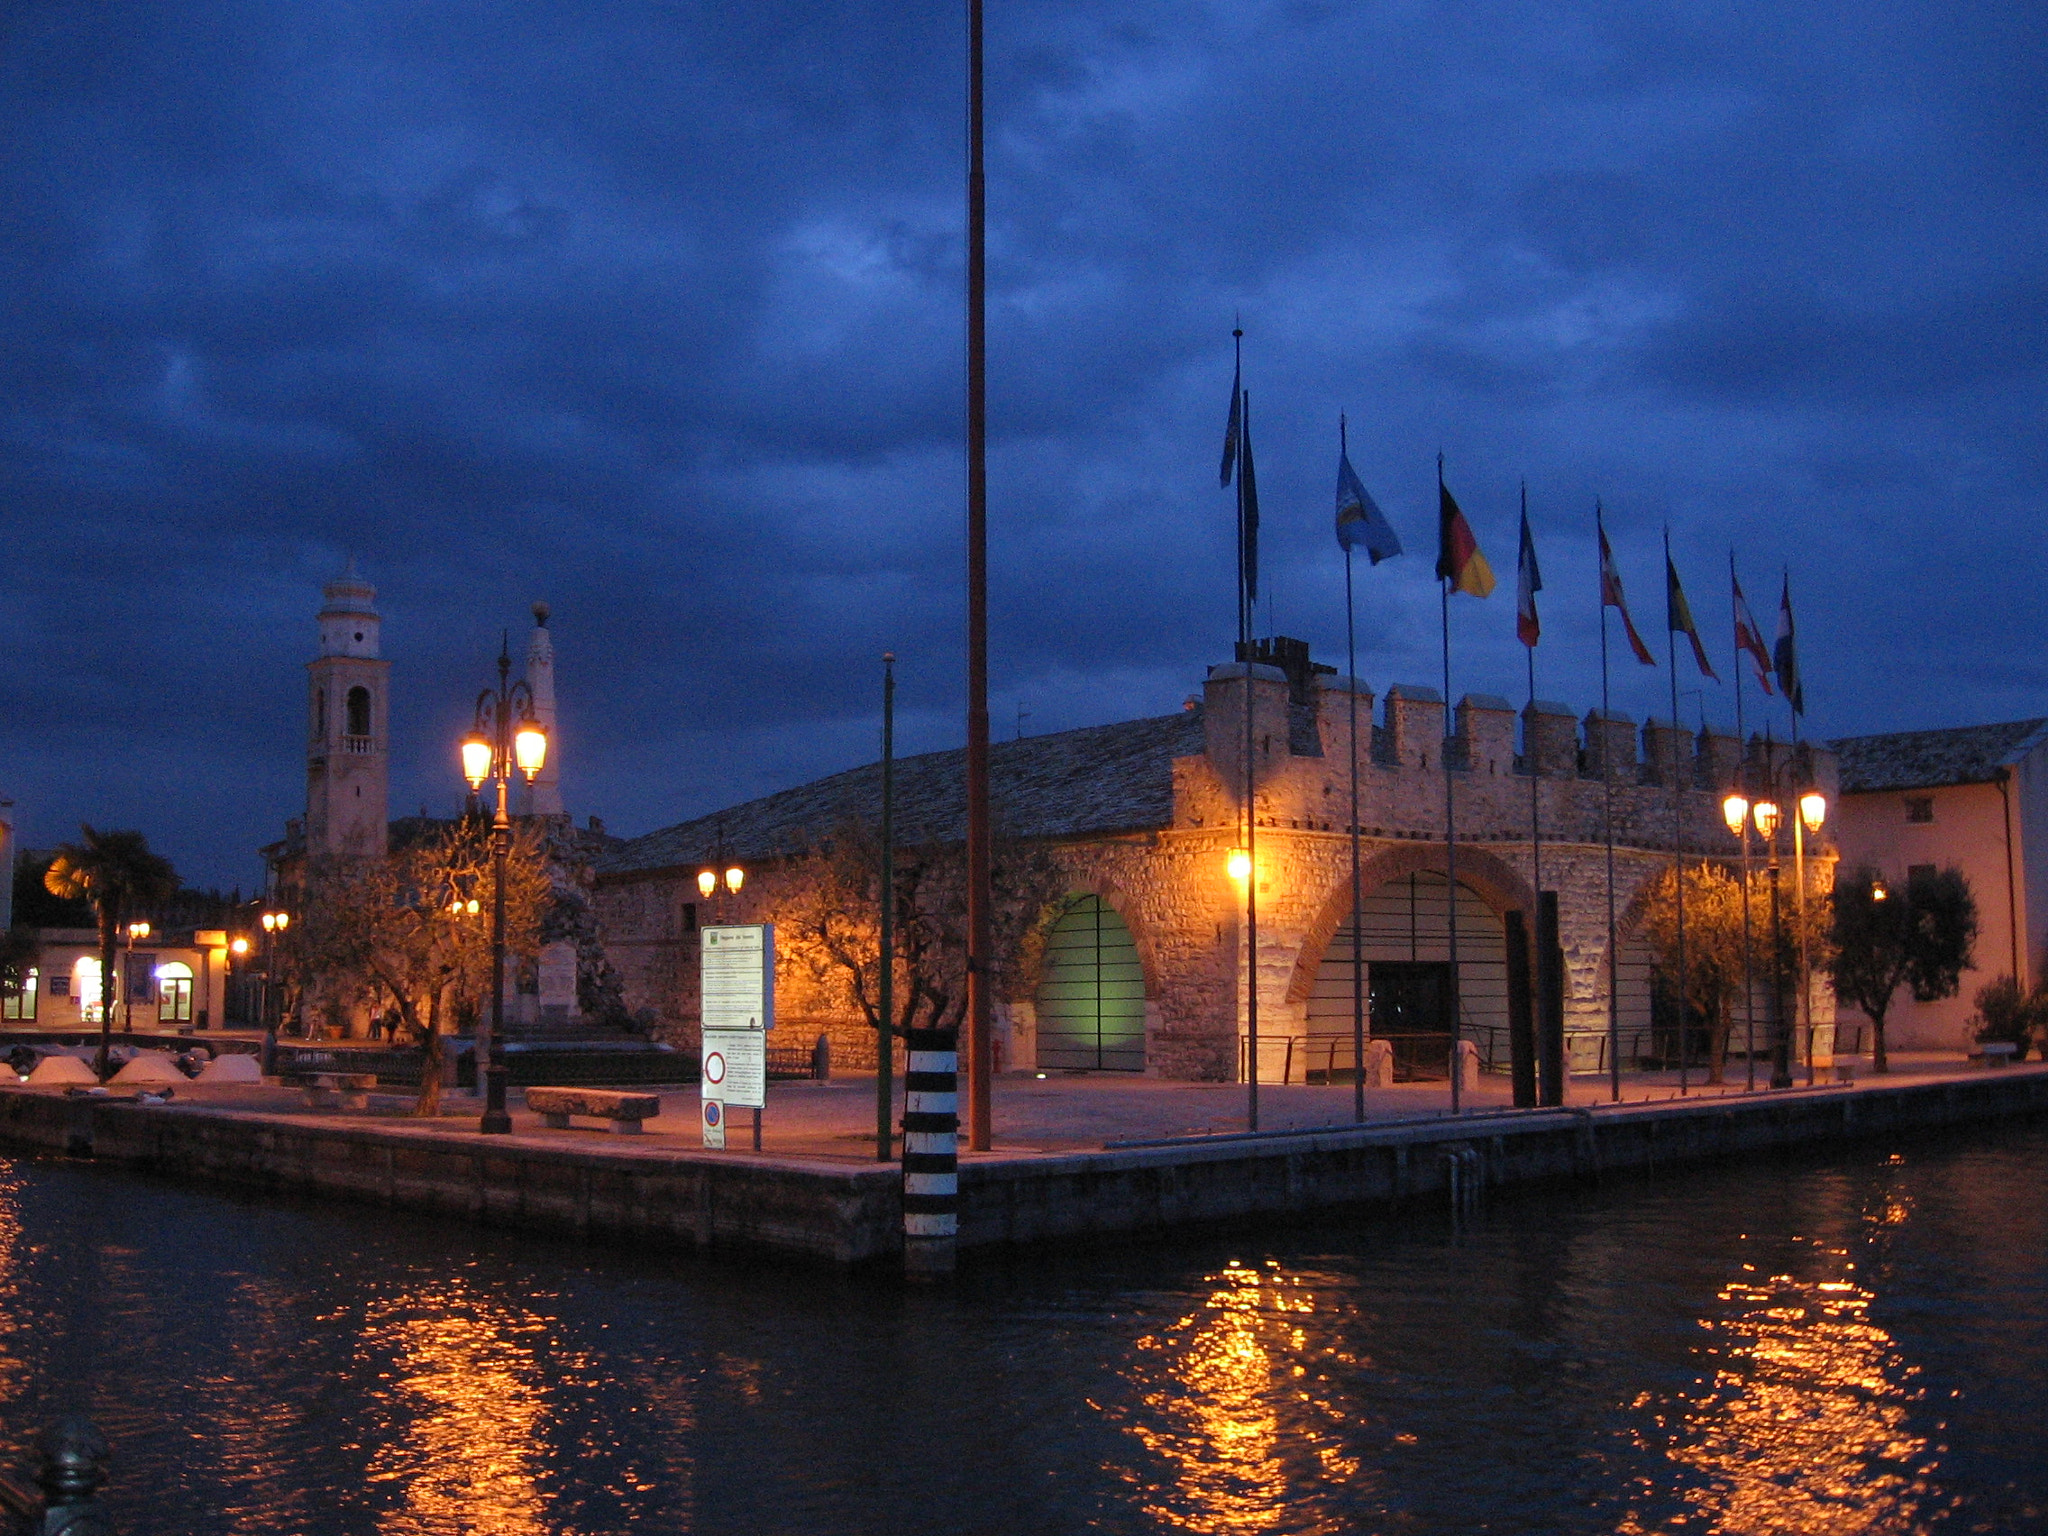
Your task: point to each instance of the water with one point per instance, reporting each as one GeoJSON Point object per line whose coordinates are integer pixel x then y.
{"type": "Point", "coordinates": [1852, 1345]}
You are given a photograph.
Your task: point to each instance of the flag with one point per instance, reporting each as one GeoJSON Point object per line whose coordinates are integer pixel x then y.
{"type": "Point", "coordinates": [1785, 654]}
{"type": "Point", "coordinates": [1528, 582]}
{"type": "Point", "coordinates": [1611, 596]}
{"type": "Point", "coordinates": [1248, 489]}
{"type": "Point", "coordinates": [1678, 617]}
{"type": "Point", "coordinates": [1359, 519]}
{"type": "Point", "coordinates": [1458, 559]}
{"type": "Point", "coordinates": [1230, 429]}
{"type": "Point", "coordinates": [1749, 635]}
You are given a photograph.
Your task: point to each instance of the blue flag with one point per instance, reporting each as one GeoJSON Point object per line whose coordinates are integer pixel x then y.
{"type": "Point", "coordinates": [1359, 519]}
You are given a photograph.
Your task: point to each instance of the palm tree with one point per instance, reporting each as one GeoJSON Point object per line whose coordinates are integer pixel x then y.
{"type": "Point", "coordinates": [117, 873]}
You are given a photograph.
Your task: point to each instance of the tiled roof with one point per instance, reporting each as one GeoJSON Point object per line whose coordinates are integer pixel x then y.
{"type": "Point", "coordinates": [1102, 778]}
{"type": "Point", "coordinates": [1970, 754]}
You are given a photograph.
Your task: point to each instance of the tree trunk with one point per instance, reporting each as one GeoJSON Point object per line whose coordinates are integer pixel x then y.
{"type": "Point", "coordinates": [1879, 1061]}
{"type": "Point", "coordinates": [110, 919]}
{"type": "Point", "coordinates": [429, 1101]}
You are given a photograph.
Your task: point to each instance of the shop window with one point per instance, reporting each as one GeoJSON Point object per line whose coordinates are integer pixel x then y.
{"type": "Point", "coordinates": [85, 986]}
{"type": "Point", "coordinates": [174, 992]}
{"type": "Point", "coordinates": [18, 1003]}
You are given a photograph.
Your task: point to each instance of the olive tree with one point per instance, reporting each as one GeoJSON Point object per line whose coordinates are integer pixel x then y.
{"type": "Point", "coordinates": [1920, 938]}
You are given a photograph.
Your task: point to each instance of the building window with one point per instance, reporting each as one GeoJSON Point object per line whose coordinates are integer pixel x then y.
{"type": "Point", "coordinates": [174, 992]}
{"type": "Point", "coordinates": [1920, 808]}
{"type": "Point", "coordinates": [19, 1003]}
{"type": "Point", "coordinates": [689, 917]}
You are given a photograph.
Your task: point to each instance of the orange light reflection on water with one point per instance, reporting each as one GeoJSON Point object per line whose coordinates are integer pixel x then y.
{"type": "Point", "coordinates": [1233, 1402]}
{"type": "Point", "coordinates": [1804, 1425]}
{"type": "Point", "coordinates": [467, 1391]}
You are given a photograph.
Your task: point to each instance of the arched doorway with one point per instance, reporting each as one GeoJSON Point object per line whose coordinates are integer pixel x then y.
{"type": "Point", "coordinates": [1091, 994]}
{"type": "Point", "coordinates": [1404, 939]}
{"type": "Point", "coordinates": [174, 992]}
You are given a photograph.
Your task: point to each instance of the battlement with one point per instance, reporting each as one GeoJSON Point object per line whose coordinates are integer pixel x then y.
{"type": "Point", "coordinates": [1302, 744]}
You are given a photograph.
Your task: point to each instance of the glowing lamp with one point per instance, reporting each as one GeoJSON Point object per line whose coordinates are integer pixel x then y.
{"type": "Point", "coordinates": [1813, 809]}
{"type": "Point", "coordinates": [1240, 864]}
{"type": "Point", "coordinates": [707, 882]}
{"type": "Point", "coordinates": [735, 877]}
{"type": "Point", "coordinates": [529, 747]}
{"type": "Point", "coordinates": [472, 907]}
{"type": "Point", "coordinates": [476, 759]}
{"type": "Point", "coordinates": [1879, 891]}
{"type": "Point", "coordinates": [1734, 811]}
{"type": "Point", "coordinates": [284, 921]}
{"type": "Point", "coordinates": [238, 945]}
{"type": "Point", "coordinates": [1767, 817]}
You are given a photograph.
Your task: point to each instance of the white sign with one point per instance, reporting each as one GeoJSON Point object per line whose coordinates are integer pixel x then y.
{"type": "Point", "coordinates": [714, 1124]}
{"type": "Point", "coordinates": [738, 976]}
{"type": "Point", "coordinates": [736, 1067]}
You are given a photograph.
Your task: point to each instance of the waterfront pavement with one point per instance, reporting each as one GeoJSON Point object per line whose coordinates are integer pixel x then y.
{"type": "Point", "coordinates": [1039, 1115]}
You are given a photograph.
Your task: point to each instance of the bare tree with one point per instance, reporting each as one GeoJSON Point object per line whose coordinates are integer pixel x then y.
{"type": "Point", "coordinates": [833, 932]}
{"type": "Point", "coordinates": [414, 926]}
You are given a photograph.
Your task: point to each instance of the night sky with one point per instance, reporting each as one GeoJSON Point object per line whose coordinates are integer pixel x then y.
{"type": "Point", "coordinates": [654, 311]}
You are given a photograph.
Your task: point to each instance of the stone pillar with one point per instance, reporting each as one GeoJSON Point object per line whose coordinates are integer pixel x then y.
{"type": "Point", "coordinates": [1415, 726]}
{"type": "Point", "coordinates": [1610, 746]}
{"type": "Point", "coordinates": [1486, 734]}
{"type": "Point", "coordinates": [1550, 740]}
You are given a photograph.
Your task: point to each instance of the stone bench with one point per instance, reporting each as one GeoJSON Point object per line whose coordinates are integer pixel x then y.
{"type": "Point", "coordinates": [351, 1089]}
{"type": "Point", "coordinates": [1995, 1053]}
{"type": "Point", "coordinates": [625, 1111]}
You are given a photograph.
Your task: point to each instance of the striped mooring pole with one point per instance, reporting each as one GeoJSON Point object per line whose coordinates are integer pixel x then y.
{"type": "Point", "coordinates": [931, 1152]}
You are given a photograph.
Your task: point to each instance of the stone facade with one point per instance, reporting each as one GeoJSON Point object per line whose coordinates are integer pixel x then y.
{"type": "Point", "coordinates": [1164, 871]}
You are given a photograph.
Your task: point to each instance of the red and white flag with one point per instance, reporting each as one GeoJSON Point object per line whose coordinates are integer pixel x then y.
{"type": "Point", "coordinates": [1611, 596]}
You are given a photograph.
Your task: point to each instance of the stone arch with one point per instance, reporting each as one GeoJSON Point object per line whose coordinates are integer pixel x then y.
{"type": "Point", "coordinates": [1487, 875]}
{"type": "Point", "coordinates": [1110, 892]}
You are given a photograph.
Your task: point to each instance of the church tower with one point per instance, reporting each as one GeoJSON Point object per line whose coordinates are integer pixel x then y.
{"type": "Point", "coordinates": [544, 794]}
{"type": "Point", "coordinates": [348, 751]}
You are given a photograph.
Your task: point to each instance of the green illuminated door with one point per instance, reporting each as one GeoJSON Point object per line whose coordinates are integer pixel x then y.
{"type": "Point", "coordinates": [1091, 1000]}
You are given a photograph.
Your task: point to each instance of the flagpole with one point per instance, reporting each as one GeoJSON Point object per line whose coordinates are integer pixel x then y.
{"type": "Point", "coordinates": [1535, 803]}
{"type": "Point", "coordinates": [1741, 783]}
{"type": "Point", "coordinates": [980, 1046]}
{"type": "Point", "coordinates": [1793, 698]}
{"type": "Point", "coordinates": [1607, 817]}
{"type": "Point", "coordinates": [1357, 938]}
{"type": "Point", "coordinates": [1251, 815]}
{"type": "Point", "coordinates": [1677, 808]}
{"type": "Point", "coordinates": [1244, 632]}
{"type": "Point", "coordinates": [1450, 814]}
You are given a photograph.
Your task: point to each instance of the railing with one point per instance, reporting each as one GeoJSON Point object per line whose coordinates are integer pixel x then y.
{"type": "Point", "coordinates": [357, 746]}
{"type": "Point", "coordinates": [64, 1501]}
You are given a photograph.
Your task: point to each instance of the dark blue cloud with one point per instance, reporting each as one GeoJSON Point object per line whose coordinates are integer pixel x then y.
{"type": "Point", "coordinates": [654, 310]}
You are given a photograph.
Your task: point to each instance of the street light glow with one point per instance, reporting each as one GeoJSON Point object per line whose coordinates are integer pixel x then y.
{"type": "Point", "coordinates": [707, 882]}
{"type": "Point", "coordinates": [529, 747]}
{"type": "Point", "coordinates": [1813, 809]}
{"type": "Point", "coordinates": [1240, 864]}
{"type": "Point", "coordinates": [1767, 817]}
{"type": "Point", "coordinates": [735, 877]}
{"type": "Point", "coordinates": [1734, 811]}
{"type": "Point", "coordinates": [476, 759]}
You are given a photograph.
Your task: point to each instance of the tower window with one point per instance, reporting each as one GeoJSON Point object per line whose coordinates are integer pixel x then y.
{"type": "Point", "coordinates": [359, 712]}
{"type": "Point", "coordinates": [1920, 808]}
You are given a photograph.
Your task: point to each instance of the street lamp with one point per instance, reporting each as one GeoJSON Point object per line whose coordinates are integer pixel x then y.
{"type": "Point", "coordinates": [274, 925]}
{"type": "Point", "coordinates": [1813, 812]}
{"type": "Point", "coordinates": [137, 930]}
{"type": "Point", "coordinates": [1735, 811]}
{"type": "Point", "coordinates": [1766, 816]}
{"type": "Point", "coordinates": [504, 737]}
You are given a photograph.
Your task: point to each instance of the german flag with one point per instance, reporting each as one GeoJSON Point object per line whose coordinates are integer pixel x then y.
{"type": "Point", "coordinates": [1458, 559]}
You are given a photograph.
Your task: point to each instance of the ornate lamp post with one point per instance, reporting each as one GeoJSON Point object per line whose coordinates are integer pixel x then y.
{"type": "Point", "coordinates": [137, 930]}
{"type": "Point", "coordinates": [1766, 815]}
{"type": "Point", "coordinates": [1735, 812]}
{"type": "Point", "coordinates": [498, 742]}
{"type": "Point", "coordinates": [274, 924]}
{"type": "Point", "coordinates": [1813, 811]}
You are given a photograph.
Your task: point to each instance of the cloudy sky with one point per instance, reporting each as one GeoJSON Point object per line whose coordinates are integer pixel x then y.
{"type": "Point", "coordinates": [654, 311]}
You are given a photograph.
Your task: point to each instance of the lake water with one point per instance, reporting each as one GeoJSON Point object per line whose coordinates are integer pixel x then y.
{"type": "Point", "coordinates": [1855, 1344]}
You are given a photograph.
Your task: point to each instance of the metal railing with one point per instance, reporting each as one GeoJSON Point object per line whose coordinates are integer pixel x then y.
{"type": "Point", "coordinates": [64, 1499]}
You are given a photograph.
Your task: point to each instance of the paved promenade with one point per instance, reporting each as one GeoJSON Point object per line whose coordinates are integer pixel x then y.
{"type": "Point", "coordinates": [1054, 1114]}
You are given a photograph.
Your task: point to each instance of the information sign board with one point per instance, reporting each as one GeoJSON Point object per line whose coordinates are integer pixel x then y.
{"type": "Point", "coordinates": [739, 1059]}
{"type": "Point", "coordinates": [737, 976]}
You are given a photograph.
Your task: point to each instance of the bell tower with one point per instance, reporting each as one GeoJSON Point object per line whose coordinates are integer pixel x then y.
{"type": "Point", "coordinates": [348, 746]}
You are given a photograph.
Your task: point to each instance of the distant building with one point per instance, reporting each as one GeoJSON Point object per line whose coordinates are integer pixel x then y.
{"type": "Point", "coordinates": [1147, 967]}
{"type": "Point", "coordinates": [171, 981]}
{"type": "Point", "coordinates": [1975, 797]}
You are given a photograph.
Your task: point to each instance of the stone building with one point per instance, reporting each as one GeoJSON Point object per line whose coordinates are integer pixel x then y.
{"type": "Point", "coordinates": [1146, 968]}
{"type": "Point", "coordinates": [1975, 798]}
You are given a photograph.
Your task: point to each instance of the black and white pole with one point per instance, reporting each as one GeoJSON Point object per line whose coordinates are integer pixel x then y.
{"type": "Point", "coordinates": [931, 1152]}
